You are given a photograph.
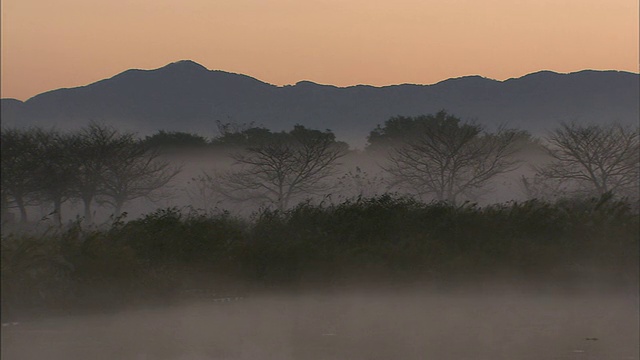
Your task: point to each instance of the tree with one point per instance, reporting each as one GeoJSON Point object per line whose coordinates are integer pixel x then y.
{"type": "Point", "coordinates": [19, 163]}
{"type": "Point", "coordinates": [240, 135]}
{"type": "Point", "coordinates": [447, 159]}
{"type": "Point", "coordinates": [281, 166]}
{"type": "Point", "coordinates": [56, 170]}
{"type": "Point", "coordinates": [595, 158]}
{"type": "Point", "coordinates": [95, 148]}
{"type": "Point", "coordinates": [175, 139]}
{"type": "Point", "coordinates": [395, 131]}
{"type": "Point", "coordinates": [134, 172]}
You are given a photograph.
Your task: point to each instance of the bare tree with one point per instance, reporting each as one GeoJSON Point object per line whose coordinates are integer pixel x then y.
{"type": "Point", "coordinates": [447, 159]}
{"type": "Point", "coordinates": [281, 167]}
{"type": "Point", "coordinates": [95, 148]}
{"type": "Point", "coordinates": [134, 172]}
{"type": "Point", "coordinates": [19, 162]}
{"type": "Point", "coordinates": [56, 170]}
{"type": "Point", "coordinates": [597, 159]}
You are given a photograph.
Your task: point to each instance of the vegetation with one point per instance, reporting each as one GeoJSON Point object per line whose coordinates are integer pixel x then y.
{"type": "Point", "coordinates": [175, 139]}
{"type": "Point", "coordinates": [383, 238]}
{"type": "Point", "coordinates": [439, 156]}
{"type": "Point", "coordinates": [435, 157]}
{"type": "Point", "coordinates": [96, 163]}
{"type": "Point", "coordinates": [279, 167]}
{"type": "Point", "coordinates": [19, 165]}
{"type": "Point", "coordinates": [426, 232]}
{"type": "Point", "coordinates": [595, 159]}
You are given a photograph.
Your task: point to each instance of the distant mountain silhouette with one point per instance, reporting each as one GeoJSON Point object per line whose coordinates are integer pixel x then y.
{"type": "Point", "coordinates": [185, 96]}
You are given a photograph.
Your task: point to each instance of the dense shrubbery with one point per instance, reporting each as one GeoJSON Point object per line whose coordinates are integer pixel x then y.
{"type": "Point", "coordinates": [383, 238]}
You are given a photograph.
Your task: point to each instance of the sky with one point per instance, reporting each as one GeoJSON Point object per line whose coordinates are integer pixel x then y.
{"type": "Point", "coordinates": [47, 44]}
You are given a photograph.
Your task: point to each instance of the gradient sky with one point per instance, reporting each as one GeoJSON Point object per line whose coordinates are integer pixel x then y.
{"type": "Point", "coordinates": [64, 43]}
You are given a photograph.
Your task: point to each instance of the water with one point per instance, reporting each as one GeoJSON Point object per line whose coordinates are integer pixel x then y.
{"type": "Point", "coordinates": [407, 324]}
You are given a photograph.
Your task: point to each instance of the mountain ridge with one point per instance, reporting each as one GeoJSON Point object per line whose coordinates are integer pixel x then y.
{"type": "Point", "coordinates": [186, 96]}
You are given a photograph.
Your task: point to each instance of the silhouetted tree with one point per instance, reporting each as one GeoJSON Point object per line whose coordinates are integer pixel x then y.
{"type": "Point", "coordinates": [19, 162]}
{"type": "Point", "coordinates": [281, 166]}
{"type": "Point", "coordinates": [395, 131]}
{"type": "Point", "coordinates": [175, 139]}
{"type": "Point", "coordinates": [96, 162]}
{"type": "Point", "coordinates": [240, 135]}
{"type": "Point", "coordinates": [595, 158]}
{"type": "Point", "coordinates": [95, 149]}
{"type": "Point", "coordinates": [446, 159]}
{"type": "Point", "coordinates": [136, 171]}
{"type": "Point", "coordinates": [56, 169]}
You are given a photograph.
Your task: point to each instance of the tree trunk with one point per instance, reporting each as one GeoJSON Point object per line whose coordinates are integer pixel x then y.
{"type": "Point", "coordinates": [87, 209]}
{"type": "Point", "coordinates": [23, 209]}
{"type": "Point", "coordinates": [5, 214]}
{"type": "Point", "coordinates": [57, 211]}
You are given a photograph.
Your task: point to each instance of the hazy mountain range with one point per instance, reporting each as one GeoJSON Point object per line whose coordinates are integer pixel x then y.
{"type": "Point", "coordinates": [185, 96]}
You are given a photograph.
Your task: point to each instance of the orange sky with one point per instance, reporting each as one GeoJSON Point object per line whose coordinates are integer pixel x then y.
{"type": "Point", "coordinates": [64, 43]}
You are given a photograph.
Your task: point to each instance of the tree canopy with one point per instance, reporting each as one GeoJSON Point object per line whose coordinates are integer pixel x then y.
{"type": "Point", "coordinates": [175, 139]}
{"type": "Point", "coordinates": [442, 157]}
{"type": "Point", "coordinates": [277, 167]}
{"type": "Point", "coordinates": [96, 163]}
{"type": "Point", "coordinates": [594, 158]}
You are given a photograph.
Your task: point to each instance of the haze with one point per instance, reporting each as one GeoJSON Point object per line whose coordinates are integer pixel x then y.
{"type": "Point", "coordinates": [492, 324]}
{"type": "Point", "coordinates": [110, 252]}
{"type": "Point", "coordinates": [48, 45]}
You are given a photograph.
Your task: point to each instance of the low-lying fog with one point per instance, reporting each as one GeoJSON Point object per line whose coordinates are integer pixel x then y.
{"type": "Point", "coordinates": [488, 323]}
{"type": "Point", "coordinates": [357, 174]}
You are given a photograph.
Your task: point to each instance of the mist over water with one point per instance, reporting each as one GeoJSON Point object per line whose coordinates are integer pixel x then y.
{"type": "Point", "coordinates": [469, 322]}
{"type": "Point", "coordinates": [353, 269]}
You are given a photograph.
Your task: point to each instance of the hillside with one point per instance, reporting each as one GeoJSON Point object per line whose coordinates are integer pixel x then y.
{"type": "Point", "coordinates": [185, 96]}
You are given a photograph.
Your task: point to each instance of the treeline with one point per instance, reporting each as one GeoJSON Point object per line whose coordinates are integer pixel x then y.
{"type": "Point", "coordinates": [435, 157]}
{"type": "Point", "coordinates": [96, 164]}
{"type": "Point", "coordinates": [386, 238]}
{"type": "Point", "coordinates": [102, 166]}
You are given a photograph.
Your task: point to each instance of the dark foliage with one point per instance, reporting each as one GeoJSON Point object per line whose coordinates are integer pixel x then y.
{"type": "Point", "coordinates": [175, 139]}
{"type": "Point", "coordinates": [278, 168]}
{"type": "Point", "coordinates": [441, 157]}
{"type": "Point", "coordinates": [95, 164]}
{"type": "Point", "coordinates": [384, 238]}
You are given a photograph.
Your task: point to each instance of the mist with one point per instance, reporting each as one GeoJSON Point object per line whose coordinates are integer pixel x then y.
{"type": "Point", "coordinates": [290, 245]}
{"type": "Point", "coordinates": [358, 174]}
{"type": "Point", "coordinates": [488, 321]}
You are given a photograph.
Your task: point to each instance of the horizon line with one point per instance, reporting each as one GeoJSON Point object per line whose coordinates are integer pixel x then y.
{"type": "Point", "coordinates": [322, 84]}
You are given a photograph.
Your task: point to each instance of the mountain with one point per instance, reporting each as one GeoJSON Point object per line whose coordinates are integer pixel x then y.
{"type": "Point", "coordinates": [185, 96]}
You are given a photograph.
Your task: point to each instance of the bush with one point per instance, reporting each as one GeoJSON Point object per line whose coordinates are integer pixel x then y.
{"type": "Point", "coordinates": [386, 237]}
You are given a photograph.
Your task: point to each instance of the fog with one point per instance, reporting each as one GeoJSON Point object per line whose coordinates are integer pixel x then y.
{"type": "Point", "coordinates": [483, 321]}
{"type": "Point", "coordinates": [359, 173]}
{"type": "Point", "coordinates": [356, 174]}
{"type": "Point", "coordinates": [572, 294]}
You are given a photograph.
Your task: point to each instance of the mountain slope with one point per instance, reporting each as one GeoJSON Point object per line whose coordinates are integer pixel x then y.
{"type": "Point", "coordinates": [185, 96]}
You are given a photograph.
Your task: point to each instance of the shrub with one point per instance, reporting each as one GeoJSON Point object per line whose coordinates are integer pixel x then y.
{"type": "Point", "coordinates": [385, 237]}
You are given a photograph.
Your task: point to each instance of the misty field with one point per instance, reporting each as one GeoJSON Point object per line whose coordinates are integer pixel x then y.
{"type": "Point", "coordinates": [376, 278]}
{"type": "Point", "coordinates": [506, 322]}
{"type": "Point", "coordinates": [322, 265]}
